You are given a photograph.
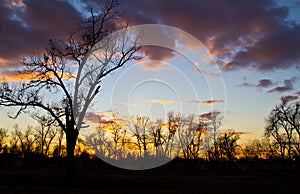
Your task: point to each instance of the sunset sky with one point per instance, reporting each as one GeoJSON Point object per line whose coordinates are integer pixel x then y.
{"type": "Point", "coordinates": [254, 46]}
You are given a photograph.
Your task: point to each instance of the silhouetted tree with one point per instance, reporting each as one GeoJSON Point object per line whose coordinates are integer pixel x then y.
{"type": "Point", "coordinates": [190, 136]}
{"type": "Point", "coordinates": [74, 88]}
{"type": "Point", "coordinates": [60, 147]}
{"type": "Point", "coordinates": [212, 121]}
{"type": "Point", "coordinates": [227, 143]}
{"type": "Point", "coordinates": [140, 130]}
{"type": "Point", "coordinates": [45, 134]}
{"type": "Point", "coordinates": [3, 136]}
{"type": "Point", "coordinates": [158, 138]}
{"type": "Point", "coordinates": [282, 124]}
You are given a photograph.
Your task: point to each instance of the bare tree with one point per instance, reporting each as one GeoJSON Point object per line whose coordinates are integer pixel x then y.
{"type": "Point", "coordinates": [228, 145]}
{"type": "Point", "coordinates": [158, 138]}
{"type": "Point", "coordinates": [27, 140]}
{"type": "Point", "coordinates": [45, 134]}
{"type": "Point", "coordinates": [140, 130]}
{"type": "Point", "coordinates": [3, 136]}
{"type": "Point", "coordinates": [117, 136]}
{"type": "Point", "coordinates": [59, 149]}
{"type": "Point", "coordinates": [213, 122]}
{"type": "Point", "coordinates": [282, 124]}
{"type": "Point", "coordinates": [174, 123]}
{"type": "Point", "coordinates": [100, 144]}
{"type": "Point", "coordinates": [95, 54]}
{"type": "Point", "coordinates": [191, 138]}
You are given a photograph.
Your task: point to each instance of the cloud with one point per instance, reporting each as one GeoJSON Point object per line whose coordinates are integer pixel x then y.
{"type": "Point", "coordinates": [297, 93]}
{"type": "Point", "coordinates": [245, 84]}
{"type": "Point", "coordinates": [206, 102]}
{"type": "Point", "coordinates": [195, 101]}
{"type": "Point", "coordinates": [197, 70]}
{"type": "Point", "coordinates": [264, 83]}
{"type": "Point", "coordinates": [289, 98]}
{"type": "Point", "coordinates": [239, 34]}
{"type": "Point", "coordinates": [153, 65]}
{"type": "Point", "coordinates": [158, 53]}
{"type": "Point", "coordinates": [162, 101]}
{"type": "Point", "coordinates": [288, 85]}
{"type": "Point", "coordinates": [210, 115]}
{"type": "Point", "coordinates": [27, 30]}
{"type": "Point", "coordinates": [7, 76]}
{"type": "Point", "coordinates": [209, 102]}
{"type": "Point", "coordinates": [99, 118]}
{"type": "Point", "coordinates": [93, 117]}
{"type": "Point", "coordinates": [13, 75]}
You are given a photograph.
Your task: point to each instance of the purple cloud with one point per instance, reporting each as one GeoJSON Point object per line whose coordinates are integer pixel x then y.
{"type": "Point", "coordinates": [27, 30]}
{"type": "Point", "coordinates": [288, 85]}
{"type": "Point", "coordinates": [264, 83]}
{"type": "Point", "coordinates": [240, 34]}
{"type": "Point", "coordinates": [289, 98]}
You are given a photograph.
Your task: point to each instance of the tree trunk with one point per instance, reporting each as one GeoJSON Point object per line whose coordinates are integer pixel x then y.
{"type": "Point", "coordinates": [71, 137]}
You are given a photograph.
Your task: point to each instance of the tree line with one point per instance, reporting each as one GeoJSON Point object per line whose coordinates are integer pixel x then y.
{"type": "Point", "coordinates": [185, 137]}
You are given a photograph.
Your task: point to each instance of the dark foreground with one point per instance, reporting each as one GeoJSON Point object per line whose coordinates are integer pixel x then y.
{"type": "Point", "coordinates": [51, 180]}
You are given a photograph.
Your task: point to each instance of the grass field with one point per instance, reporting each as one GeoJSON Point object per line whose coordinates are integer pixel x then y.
{"type": "Point", "coordinates": [51, 180]}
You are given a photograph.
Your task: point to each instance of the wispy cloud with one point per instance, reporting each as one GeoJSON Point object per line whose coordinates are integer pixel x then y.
{"type": "Point", "coordinates": [289, 98]}
{"type": "Point", "coordinates": [195, 101]}
{"type": "Point", "coordinates": [153, 65]}
{"type": "Point", "coordinates": [209, 102]}
{"type": "Point", "coordinates": [288, 85]}
{"type": "Point", "coordinates": [210, 115]}
{"type": "Point", "coordinates": [162, 101]}
{"type": "Point", "coordinates": [264, 83]}
{"type": "Point", "coordinates": [101, 118]}
{"type": "Point", "coordinates": [260, 86]}
{"type": "Point", "coordinates": [10, 76]}
{"type": "Point", "coordinates": [212, 74]}
{"type": "Point", "coordinates": [206, 102]}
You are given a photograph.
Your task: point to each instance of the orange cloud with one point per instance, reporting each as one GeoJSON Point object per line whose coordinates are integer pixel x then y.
{"type": "Point", "coordinates": [153, 65]}
{"type": "Point", "coordinates": [197, 70]}
{"type": "Point", "coordinates": [209, 102]}
{"type": "Point", "coordinates": [163, 101]}
{"type": "Point", "coordinates": [15, 76]}
{"type": "Point", "coordinates": [209, 116]}
{"type": "Point", "coordinates": [206, 102]}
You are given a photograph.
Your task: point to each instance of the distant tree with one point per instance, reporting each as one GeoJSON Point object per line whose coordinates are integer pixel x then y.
{"type": "Point", "coordinates": [191, 135]}
{"type": "Point", "coordinates": [3, 136]}
{"type": "Point", "coordinates": [139, 127]}
{"type": "Point", "coordinates": [117, 136]}
{"type": "Point", "coordinates": [227, 143]}
{"type": "Point", "coordinates": [283, 124]}
{"type": "Point", "coordinates": [158, 138]}
{"type": "Point", "coordinates": [27, 140]}
{"type": "Point", "coordinates": [60, 147]}
{"type": "Point", "coordinates": [212, 121]}
{"type": "Point", "coordinates": [45, 134]}
{"type": "Point", "coordinates": [174, 123]}
{"type": "Point", "coordinates": [100, 144]}
{"type": "Point", "coordinates": [73, 89]}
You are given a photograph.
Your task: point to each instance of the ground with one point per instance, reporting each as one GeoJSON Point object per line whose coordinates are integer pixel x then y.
{"type": "Point", "coordinates": [51, 180]}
